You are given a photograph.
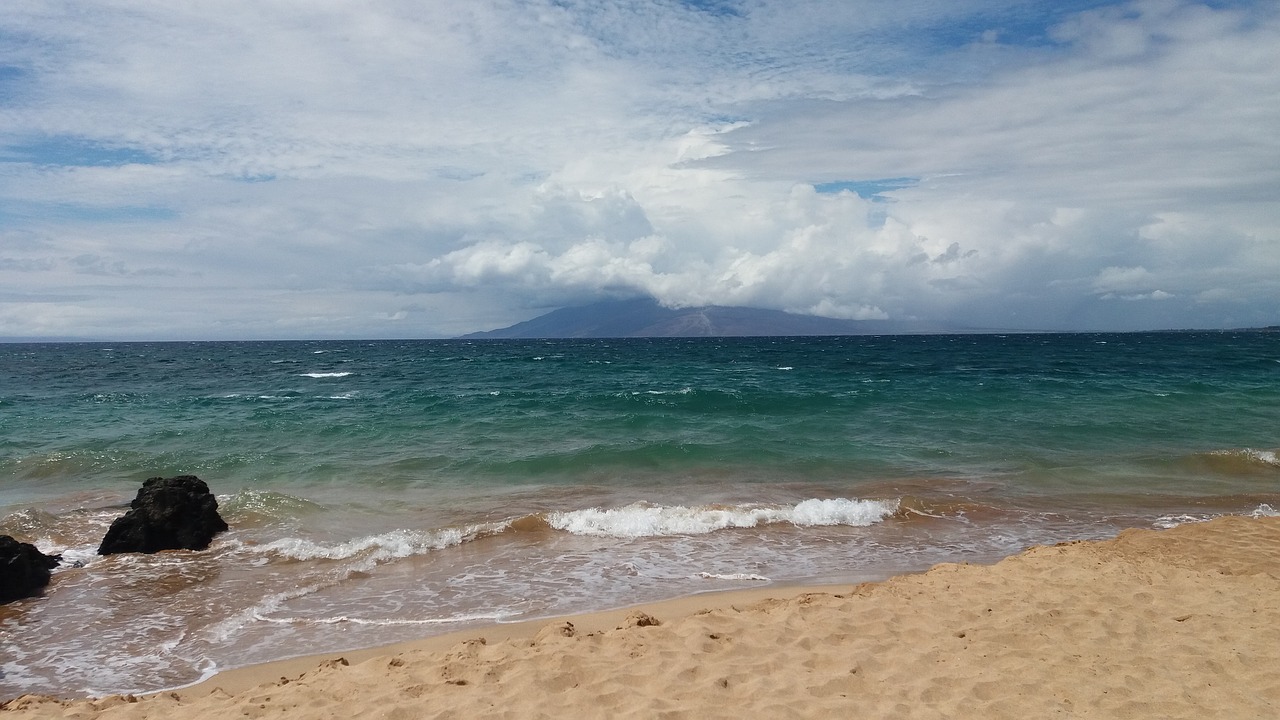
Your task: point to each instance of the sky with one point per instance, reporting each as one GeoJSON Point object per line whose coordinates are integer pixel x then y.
{"type": "Point", "coordinates": [254, 169]}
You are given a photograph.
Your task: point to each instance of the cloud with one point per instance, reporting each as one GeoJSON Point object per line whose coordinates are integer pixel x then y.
{"type": "Point", "coordinates": [1121, 279]}
{"type": "Point", "coordinates": [431, 169]}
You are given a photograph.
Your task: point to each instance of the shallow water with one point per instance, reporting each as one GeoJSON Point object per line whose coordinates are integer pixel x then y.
{"type": "Point", "coordinates": [383, 489]}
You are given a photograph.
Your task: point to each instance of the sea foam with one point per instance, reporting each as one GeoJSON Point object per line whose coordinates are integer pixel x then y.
{"type": "Point", "coordinates": [1249, 456]}
{"type": "Point", "coordinates": [390, 622]}
{"type": "Point", "coordinates": [1166, 522]}
{"type": "Point", "coordinates": [644, 520]}
{"type": "Point", "coordinates": [375, 549]}
{"type": "Point", "coordinates": [733, 576]}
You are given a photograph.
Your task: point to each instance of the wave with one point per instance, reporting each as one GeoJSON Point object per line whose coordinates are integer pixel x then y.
{"type": "Point", "coordinates": [223, 630]}
{"type": "Point", "coordinates": [74, 535]}
{"type": "Point", "coordinates": [265, 504]}
{"type": "Point", "coordinates": [645, 520]}
{"type": "Point", "coordinates": [1249, 455]}
{"type": "Point", "coordinates": [324, 374]}
{"type": "Point", "coordinates": [627, 522]}
{"type": "Point", "coordinates": [375, 549]}
{"type": "Point", "coordinates": [1165, 522]}
{"type": "Point", "coordinates": [28, 522]}
{"type": "Point", "coordinates": [1238, 461]}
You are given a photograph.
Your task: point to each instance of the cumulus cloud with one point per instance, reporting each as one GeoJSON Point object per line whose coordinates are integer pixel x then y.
{"type": "Point", "coordinates": [431, 169]}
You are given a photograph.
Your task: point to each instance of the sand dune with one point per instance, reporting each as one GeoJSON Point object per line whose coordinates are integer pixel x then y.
{"type": "Point", "coordinates": [1183, 623]}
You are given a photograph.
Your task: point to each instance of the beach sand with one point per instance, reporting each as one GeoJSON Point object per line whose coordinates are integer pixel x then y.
{"type": "Point", "coordinates": [1171, 624]}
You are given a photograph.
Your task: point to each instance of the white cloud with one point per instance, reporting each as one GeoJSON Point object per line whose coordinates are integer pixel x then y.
{"type": "Point", "coordinates": [443, 167]}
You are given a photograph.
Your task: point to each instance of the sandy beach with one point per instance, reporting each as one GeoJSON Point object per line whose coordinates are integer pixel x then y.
{"type": "Point", "coordinates": [1175, 623]}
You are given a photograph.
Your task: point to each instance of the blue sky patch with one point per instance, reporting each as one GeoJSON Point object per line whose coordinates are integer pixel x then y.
{"type": "Point", "coordinates": [868, 189]}
{"type": "Point", "coordinates": [69, 151]}
{"type": "Point", "coordinates": [716, 7]}
{"type": "Point", "coordinates": [1024, 24]}
{"type": "Point", "coordinates": [10, 78]}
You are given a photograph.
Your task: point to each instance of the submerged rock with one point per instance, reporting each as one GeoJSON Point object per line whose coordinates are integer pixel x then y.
{"type": "Point", "coordinates": [23, 569]}
{"type": "Point", "coordinates": [177, 513]}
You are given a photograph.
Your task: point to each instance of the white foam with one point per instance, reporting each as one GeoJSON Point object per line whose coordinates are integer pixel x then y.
{"type": "Point", "coordinates": [222, 631]}
{"type": "Point", "coordinates": [1166, 522]}
{"type": "Point", "coordinates": [380, 548]}
{"type": "Point", "coordinates": [681, 391]}
{"type": "Point", "coordinates": [325, 374]}
{"type": "Point", "coordinates": [346, 619]}
{"type": "Point", "coordinates": [1266, 457]}
{"type": "Point", "coordinates": [77, 557]}
{"type": "Point", "coordinates": [207, 668]}
{"type": "Point", "coordinates": [644, 520]}
{"type": "Point", "coordinates": [733, 576]}
{"type": "Point", "coordinates": [842, 511]}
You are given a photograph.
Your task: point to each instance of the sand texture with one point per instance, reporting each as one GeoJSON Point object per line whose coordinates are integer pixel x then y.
{"type": "Point", "coordinates": [1183, 623]}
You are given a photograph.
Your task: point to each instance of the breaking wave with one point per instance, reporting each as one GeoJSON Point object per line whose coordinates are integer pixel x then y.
{"type": "Point", "coordinates": [375, 549]}
{"type": "Point", "coordinates": [637, 520]}
{"type": "Point", "coordinates": [645, 520]}
{"type": "Point", "coordinates": [1165, 522]}
{"type": "Point", "coordinates": [1239, 461]}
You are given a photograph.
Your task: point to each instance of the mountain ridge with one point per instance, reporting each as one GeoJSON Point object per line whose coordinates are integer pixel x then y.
{"type": "Point", "coordinates": [646, 318]}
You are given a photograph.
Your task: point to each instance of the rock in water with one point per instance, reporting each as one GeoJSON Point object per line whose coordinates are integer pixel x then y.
{"type": "Point", "coordinates": [23, 569]}
{"type": "Point", "coordinates": [177, 513]}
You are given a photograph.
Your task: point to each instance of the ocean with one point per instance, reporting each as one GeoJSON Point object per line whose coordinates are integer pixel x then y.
{"type": "Point", "coordinates": [383, 490]}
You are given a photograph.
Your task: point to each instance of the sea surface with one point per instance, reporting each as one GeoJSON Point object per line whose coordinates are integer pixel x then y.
{"type": "Point", "coordinates": [378, 491]}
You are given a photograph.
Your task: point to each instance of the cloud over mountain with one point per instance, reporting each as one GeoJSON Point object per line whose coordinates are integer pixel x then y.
{"type": "Point", "coordinates": [386, 169]}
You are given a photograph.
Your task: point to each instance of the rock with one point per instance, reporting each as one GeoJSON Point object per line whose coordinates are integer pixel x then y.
{"type": "Point", "coordinates": [177, 513]}
{"type": "Point", "coordinates": [23, 569]}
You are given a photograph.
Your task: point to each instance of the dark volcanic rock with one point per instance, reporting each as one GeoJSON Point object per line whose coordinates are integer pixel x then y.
{"type": "Point", "coordinates": [23, 569]}
{"type": "Point", "coordinates": [177, 513]}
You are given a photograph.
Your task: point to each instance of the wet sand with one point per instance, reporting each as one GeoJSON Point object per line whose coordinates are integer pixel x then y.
{"type": "Point", "coordinates": [1174, 623]}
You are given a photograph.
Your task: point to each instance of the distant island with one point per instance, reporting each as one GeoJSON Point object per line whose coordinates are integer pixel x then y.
{"type": "Point", "coordinates": [646, 318]}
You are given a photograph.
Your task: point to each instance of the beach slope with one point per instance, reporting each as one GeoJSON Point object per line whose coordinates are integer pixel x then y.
{"type": "Point", "coordinates": [1180, 623]}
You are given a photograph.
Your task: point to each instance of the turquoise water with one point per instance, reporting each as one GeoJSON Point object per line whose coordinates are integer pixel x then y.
{"type": "Point", "coordinates": [436, 485]}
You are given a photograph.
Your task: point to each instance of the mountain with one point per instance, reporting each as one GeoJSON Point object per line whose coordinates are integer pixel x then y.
{"type": "Point", "coordinates": [646, 318]}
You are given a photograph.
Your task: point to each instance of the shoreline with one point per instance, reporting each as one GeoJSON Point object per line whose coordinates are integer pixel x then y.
{"type": "Point", "coordinates": [1182, 622]}
{"type": "Point", "coordinates": [239, 679]}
